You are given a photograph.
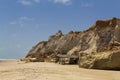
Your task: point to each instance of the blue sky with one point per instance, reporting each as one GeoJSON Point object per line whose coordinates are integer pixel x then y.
{"type": "Point", "coordinates": [23, 23]}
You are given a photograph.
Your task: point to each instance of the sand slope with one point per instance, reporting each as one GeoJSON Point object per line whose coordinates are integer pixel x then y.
{"type": "Point", "coordinates": [16, 70]}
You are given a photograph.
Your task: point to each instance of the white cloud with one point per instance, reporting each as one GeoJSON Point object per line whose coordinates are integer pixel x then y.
{"type": "Point", "coordinates": [21, 21]}
{"type": "Point", "coordinates": [25, 2]}
{"type": "Point", "coordinates": [13, 23]}
{"type": "Point", "coordinates": [25, 18]}
{"type": "Point", "coordinates": [31, 2]}
{"type": "Point", "coordinates": [65, 2]}
{"type": "Point", "coordinates": [86, 5]}
{"type": "Point", "coordinates": [28, 2]}
{"type": "Point", "coordinates": [37, 1]}
{"type": "Point", "coordinates": [22, 18]}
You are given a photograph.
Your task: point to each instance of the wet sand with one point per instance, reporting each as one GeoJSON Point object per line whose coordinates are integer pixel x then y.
{"type": "Point", "coordinates": [16, 70]}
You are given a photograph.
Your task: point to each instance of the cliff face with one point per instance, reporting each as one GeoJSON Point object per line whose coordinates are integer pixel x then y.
{"type": "Point", "coordinates": [91, 45]}
{"type": "Point", "coordinates": [103, 52]}
{"type": "Point", "coordinates": [56, 43]}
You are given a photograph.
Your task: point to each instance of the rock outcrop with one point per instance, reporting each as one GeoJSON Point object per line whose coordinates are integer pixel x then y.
{"type": "Point", "coordinates": [98, 47]}
{"type": "Point", "coordinates": [104, 45]}
{"type": "Point", "coordinates": [109, 60]}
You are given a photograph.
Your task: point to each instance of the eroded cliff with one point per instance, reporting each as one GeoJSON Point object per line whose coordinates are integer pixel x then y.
{"type": "Point", "coordinates": [98, 47]}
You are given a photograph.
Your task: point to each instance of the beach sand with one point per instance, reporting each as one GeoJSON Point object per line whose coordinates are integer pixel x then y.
{"type": "Point", "coordinates": [16, 70]}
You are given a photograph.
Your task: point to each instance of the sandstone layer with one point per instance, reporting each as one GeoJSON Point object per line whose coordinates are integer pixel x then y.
{"type": "Point", "coordinates": [97, 47]}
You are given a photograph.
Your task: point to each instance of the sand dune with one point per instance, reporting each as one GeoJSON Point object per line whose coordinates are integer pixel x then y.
{"type": "Point", "coordinates": [16, 70]}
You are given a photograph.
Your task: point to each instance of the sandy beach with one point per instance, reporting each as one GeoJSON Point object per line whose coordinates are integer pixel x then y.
{"type": "Point", "coordinates": [16, 70]}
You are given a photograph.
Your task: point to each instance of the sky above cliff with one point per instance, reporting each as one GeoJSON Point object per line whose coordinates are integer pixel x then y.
{"type": "Point", "coordinates": [23, 23]}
